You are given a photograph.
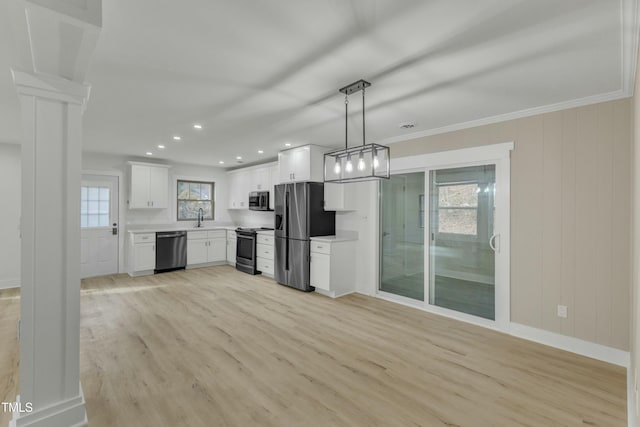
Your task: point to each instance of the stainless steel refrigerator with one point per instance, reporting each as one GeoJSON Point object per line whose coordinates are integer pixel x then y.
{"type": "Point", "coordinates": [300, 215]}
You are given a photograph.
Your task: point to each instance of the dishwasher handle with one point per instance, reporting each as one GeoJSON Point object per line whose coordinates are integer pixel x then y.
{"type": "Point", "coordinates": [170, 235]}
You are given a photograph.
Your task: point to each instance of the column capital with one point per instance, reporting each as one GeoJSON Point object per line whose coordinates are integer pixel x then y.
{"type": "Point", "coordinates": [51, 87]}
{"type": "Point", "coordinates": [56, 37]}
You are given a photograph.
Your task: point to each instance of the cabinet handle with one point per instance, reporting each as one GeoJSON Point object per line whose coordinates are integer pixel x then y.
{"type": "Point", "coordinates": [320, 247]}
{"type": "Point", "coordinates": [153, 248]}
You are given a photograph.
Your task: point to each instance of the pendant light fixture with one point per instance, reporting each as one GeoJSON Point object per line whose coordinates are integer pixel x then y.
{"type": "Point", "coordinates": [372, 159]}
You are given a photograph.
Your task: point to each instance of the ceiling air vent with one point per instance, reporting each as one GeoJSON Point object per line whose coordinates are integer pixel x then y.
{"type": "Point", "coordinates": [407, 125]}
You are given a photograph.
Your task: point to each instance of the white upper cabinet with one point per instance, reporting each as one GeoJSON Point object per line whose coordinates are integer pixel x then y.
{"type": "Point", "coordinates": [300, 164]}
{"type": "Point", "coordinates": [149, 186]}
{"type": "Point", "coordinates": [275, 172]}
{"type": "Point", "coordinates": [244, 181]}
{"type": "Point", "coordinates": [239, 184]}
{"type": "Point", "coordinates": [340, 197]}
{"type": "Point", "coordinates": [261, 179]}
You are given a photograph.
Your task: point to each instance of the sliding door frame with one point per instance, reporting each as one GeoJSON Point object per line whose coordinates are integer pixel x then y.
{"type": "Point", "coordinates": [500, 156]}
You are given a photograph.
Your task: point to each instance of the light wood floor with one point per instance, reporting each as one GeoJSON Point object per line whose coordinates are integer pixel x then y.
{"type": "Point", "coordinates": [215, 347]}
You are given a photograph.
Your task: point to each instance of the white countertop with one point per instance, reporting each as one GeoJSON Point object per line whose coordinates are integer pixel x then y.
{"type": "Point", "coordinates": [337, 238]}
{"type": "Point", "coordinates": [156, 228]}
{"type": "Point", "coordinates": [267, 232]}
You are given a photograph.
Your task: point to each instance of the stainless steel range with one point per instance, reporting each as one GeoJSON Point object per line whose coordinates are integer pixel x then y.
{"type": "Point", "coordinates": [246, 249]}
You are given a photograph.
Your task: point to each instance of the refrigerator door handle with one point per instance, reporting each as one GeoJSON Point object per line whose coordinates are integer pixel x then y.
{"type": "Point", "coordinates": [286, 230]}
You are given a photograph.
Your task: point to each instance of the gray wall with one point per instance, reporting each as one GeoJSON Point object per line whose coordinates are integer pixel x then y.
{"type": "Point", "coordinates": [570, 216]}
{"type": "Point", "coordinates": [635, 318]}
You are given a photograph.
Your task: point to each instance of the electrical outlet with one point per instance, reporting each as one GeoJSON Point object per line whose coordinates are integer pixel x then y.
{"type": "Point", "coordinates": [562, 311]}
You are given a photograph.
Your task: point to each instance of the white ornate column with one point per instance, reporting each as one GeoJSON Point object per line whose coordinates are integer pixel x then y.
{"type": "Point", "coordinates": [55, 40]}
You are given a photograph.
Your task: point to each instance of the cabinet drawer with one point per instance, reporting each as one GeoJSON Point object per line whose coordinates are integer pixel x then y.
{"type": "Point", "coordinates": [144, 237]}
{"type": "Point", "coordinates": [264, 251]}
{"type": "Point", "coordinates": [265, 265]}
{"type": "Point", "coordinates": [217, 234]}
{"type": "Point", "coordinates": [265, 239]}
{"type": "Point", "coordinates": [321, 247]}
{"type": "Point", "coordinates": [191, 235]}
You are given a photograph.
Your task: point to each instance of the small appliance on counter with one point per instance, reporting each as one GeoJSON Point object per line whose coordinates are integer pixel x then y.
{"type": "Point", "coordinates": [300, 215]}
{"type": "Point", "coordinates": [259, 201]}
{"type": "Point", "coordinates": [246, 260]}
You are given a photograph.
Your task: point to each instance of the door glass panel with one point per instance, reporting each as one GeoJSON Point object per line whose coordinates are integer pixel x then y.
{"type": "Point", "coordinates": [461, 262]}
{"type": "Point", "coordinates": [95, 206]}
{"type": "Point", "coordinates": [402, 235]}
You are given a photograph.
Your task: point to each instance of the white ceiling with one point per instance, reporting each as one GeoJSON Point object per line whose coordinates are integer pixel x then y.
{"type": "Point", "coordinates": [259, 74]}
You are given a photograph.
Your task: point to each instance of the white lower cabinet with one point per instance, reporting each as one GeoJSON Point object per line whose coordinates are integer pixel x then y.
{"type": "Point", "coordinates": [142, 253]}
{"type": "Point", "coordinates": [197, 251]}
{"type": "Point", "coordinates": [206, 247]}
{"type": "Point", "coordinates": [332, 269]}
{"type": "Point", "coordinates": [320, 271]}
{"type": "Point", "coordinates": [265, 248]}
{"type": "Point", "coordinates": [231, 247]}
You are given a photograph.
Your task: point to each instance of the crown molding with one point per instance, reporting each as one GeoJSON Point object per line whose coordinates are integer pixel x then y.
{"type": "Point", "coordinates": [595, 99]}
{"type": "Point", "coordinates": [630, 34]}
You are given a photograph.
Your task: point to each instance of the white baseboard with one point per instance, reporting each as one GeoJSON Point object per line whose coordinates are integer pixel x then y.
{"type": "Point", "coordinates": [574, 345]}
{"type": "Point", "coordinates": [9, 283]}
{"type": "Point", "coordinates": [68, 413]}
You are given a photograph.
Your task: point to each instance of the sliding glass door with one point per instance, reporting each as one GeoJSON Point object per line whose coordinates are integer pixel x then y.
{"type": "Point", "coordinates": [402, 235]}
{"type": "Point", "coordinates": [444, 235]}
{"type": "Point", "coordinates": [461, 223]}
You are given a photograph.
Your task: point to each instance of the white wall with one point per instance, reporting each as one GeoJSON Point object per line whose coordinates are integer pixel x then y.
{"type": "Point", "coordinates": [10, 192]}
{"type": "Point", "coordinates": [112, 163]}
{"type": "Point", "coordinates": [364, 221]}
{"type": "Point", "coordinates": [247, 218]}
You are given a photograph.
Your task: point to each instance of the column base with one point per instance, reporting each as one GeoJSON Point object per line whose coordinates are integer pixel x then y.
{"type": "Point", "coordinates": [68, 413]}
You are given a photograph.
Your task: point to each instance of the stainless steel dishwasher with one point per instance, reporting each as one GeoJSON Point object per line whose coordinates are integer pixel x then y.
{"type": "Point", "coordinates": [171, 250]}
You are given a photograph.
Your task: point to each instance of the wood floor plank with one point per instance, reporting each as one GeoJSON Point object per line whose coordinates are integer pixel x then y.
{"type": "Point", "coordinates": [216, 347]}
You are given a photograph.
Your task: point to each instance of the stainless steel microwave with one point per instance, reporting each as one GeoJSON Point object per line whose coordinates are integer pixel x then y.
{"type": "Point", "coordinates": [259, 201]}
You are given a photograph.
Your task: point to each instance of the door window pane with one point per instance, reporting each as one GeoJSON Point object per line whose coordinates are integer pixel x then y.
{"type": "Point", "coordinates": [95, 206]}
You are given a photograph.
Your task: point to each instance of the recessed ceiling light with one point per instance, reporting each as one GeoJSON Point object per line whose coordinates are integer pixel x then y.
{"type": "Point", "coordinates": [221, 162]}
{"type": "Point", "coordinates": [260, 152]}
{"type": "Point", "coordinates": [177, 138]}
{"type": "Point", "coordinates": [287, 145]}
{"type": "Point", "coordinates": [149, 153]}
{"type": "Point", "coordinates": [197, 126]}
{"type": "Point", "coordinates": [239, 158]}
{"type": "Point", "coordinates": [161, 147]}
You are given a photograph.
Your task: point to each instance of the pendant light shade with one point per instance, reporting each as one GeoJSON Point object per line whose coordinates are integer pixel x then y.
{"type": "Point", "coordinates": [372, 159]}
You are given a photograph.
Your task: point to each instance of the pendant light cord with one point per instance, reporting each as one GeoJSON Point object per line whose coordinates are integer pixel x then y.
{"type": "Point", "coordinates": [346, 120]}
{"type": "Point", "coordinates": [363, 116]}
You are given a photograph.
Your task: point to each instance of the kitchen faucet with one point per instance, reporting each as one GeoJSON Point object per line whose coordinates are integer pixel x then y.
{"type": "Point", "coordinates": [200, 217]}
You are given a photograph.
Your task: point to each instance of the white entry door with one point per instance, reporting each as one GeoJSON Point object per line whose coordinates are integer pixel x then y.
{"type": "Point", "coordinates": [99, 225]}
